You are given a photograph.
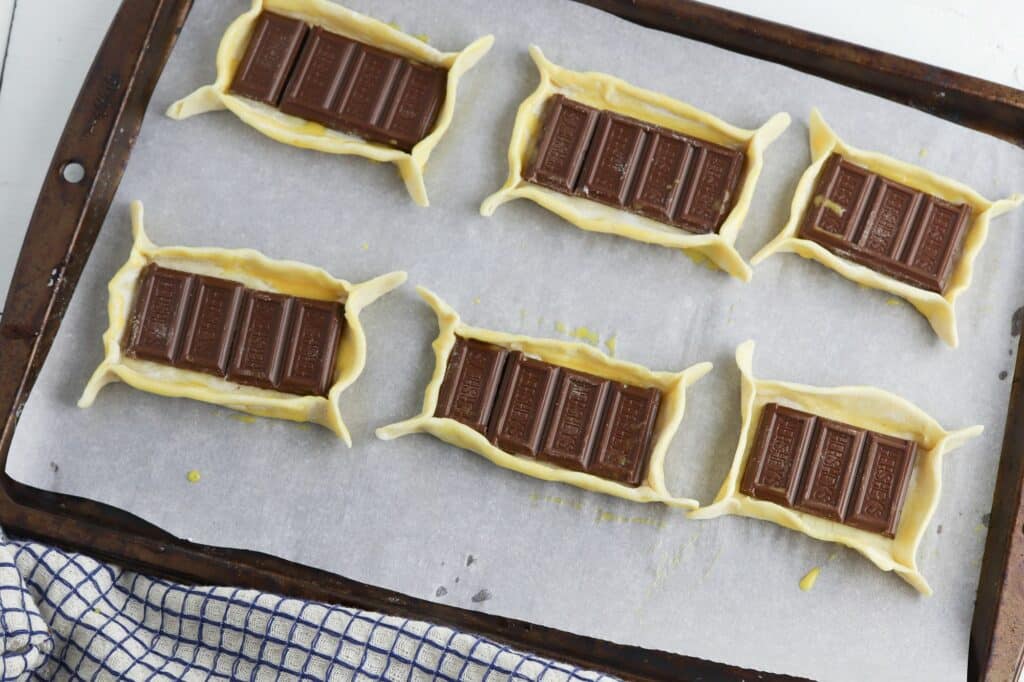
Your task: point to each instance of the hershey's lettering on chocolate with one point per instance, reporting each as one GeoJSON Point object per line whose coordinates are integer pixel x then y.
{"type": "Point", "coordinates": [316, 81]}
{"type": "Point", "coordinates": [831, 465]}
{"type": "Point", "coordinates": [474, 386]}
{"type": "Point", "coordinates": [261, 335]}
{"type": "Point", "coordinates": [566, 132]}
{"type": "Point", "coordinates": [311, 352]}
{"type": "Point", "coordinates": [211, 325]}
{"type": "Point", "coordinates": [660, 180]}
{"type": "Point", "coordinates": [625, 442]}
{"type": "Point", "coordinates": [269, 57]}
{"type": "Point", "coordinates": [161, 304]}
{"type": "Point", "coordinates": [575, 418]}
{"type": "Point", "coordinates": [612, 159]}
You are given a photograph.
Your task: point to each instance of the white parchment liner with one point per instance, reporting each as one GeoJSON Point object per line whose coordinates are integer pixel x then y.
{"type": "Point", "coordinates": [424, 518]}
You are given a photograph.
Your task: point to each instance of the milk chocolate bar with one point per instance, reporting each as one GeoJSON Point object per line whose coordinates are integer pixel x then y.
{"type": "Point", "coordinates": [635, 166]}
{"type": "Point", "coordinates": [885, 225]}
{"type": "Point", "coordinates": [829, 469]}
{"type": "Point", "coordinates": [219, 327]}
{"type": "Point", "coordinates": [340, 83]}
{"type": "Point", "coordinates": [536, 409]}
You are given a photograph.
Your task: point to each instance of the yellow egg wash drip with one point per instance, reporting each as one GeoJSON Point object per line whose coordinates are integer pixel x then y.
{"type": "Point", "coordinates": [807, 582]}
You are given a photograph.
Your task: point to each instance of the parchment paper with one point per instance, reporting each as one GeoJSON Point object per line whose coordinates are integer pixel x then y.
{"type": "Point", "coordinates": [424, 518]}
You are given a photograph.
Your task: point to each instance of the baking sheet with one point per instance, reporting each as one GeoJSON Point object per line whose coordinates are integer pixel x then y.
{"type": "Point", "coordinates": [429, 520]}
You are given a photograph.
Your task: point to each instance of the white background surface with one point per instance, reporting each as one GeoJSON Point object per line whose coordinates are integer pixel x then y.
{"type": "Point", "coordinates": [51, 44]}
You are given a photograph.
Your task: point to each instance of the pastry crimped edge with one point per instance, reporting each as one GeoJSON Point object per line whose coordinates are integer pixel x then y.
{"type": "Point", "coordinates": [937, 308]}
{"type": "Point", "coordinates": [299, 132]}
{"type": "Point", "coordinates": [865, 407]}
{"type": "Point", "coordinates": [574, 355]}
{"type": "Point", "coordinates": [613, 94]}
{"type": "Point", "coordinates": [256, 271]}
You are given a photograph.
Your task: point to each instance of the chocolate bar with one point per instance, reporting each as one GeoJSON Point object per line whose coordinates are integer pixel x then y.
{"type": "Point", "coordinates": [219, 327]}
{"type": "Point", "coordinates": [567, 130]}
{"type": "Point", "coordinates": [635, 166]}
{"type": "Point", "coordinates": [829, 469]}
{"type": "Point", "coordinates": [340, 83]}
{"type": "Point", "coordinates": [269, 57]}
{"type": "Point", "coordinates": [885, 225]}
{"type": "Point", "coordinates": [558, 415]}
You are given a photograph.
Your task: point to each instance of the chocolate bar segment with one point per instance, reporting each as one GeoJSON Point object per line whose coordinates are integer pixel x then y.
{"type": "Point", "coordinates": [660, 177]}
{"type": "Point", "coordinates": [622, 452]}
{"type": "Point", "coordinates": [831, 465]}
{"type": "Point", "coordinates": [158, 314]}
{"type": "Point", "coordinates": [776, 459]}
{"type": "Point", "coordinates": [211, 325]}
{"type": "Point", "coordinates": [888, 222]}
{"type": "Point", "coordinates": [261, 337]}
{"type": "Point", "coordinates": [414, 106]}
{"type": "Point", "coordinates": [474, 386]}
{"type": "Point", "coordinates": [272, 51]}
{"type": "Point", "coordinates": [937, 243]}
{"type": "Point", "coordinates": [566, 132]}
{"type": "Point", "coordinates": [364, 94]}
{"type": "Point", "coordinates": [311, 351]}
{"type": "Point", "coordinates": [317, 78]}
{"type": "Point", "coordinates": [886, 226]}
{"type": "Point", "coordinates": [711, 188]}
{"type": "Point", "coordinates": [840, 195]}
{"type": "Point", "coordinates": [882, 484]}
{"type": "Point", "coordinates": [522, 408]}
{"type": "Point", "coordinates": [446, 393]}
{"type": "Point", "coordinates": [574, 421]}
{"type": "Point", "coordinates": [612, 159]}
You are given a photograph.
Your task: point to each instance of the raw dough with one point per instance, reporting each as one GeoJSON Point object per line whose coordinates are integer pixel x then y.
{"type": "Point", "coordinates": [256, 271]}
{"type": "Point", "coordinates": [865, 407]}
{"type": "Point", "coordinates": [612, 94]}
{"type": "Point", "coordinates": [308, 135]}
{"type": "Point", "coordinates": [938, 308]}
{"type": "Point", "coordinates": [577, 356]}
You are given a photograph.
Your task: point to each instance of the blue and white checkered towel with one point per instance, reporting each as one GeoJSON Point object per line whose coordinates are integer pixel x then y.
{"type": "Point", "coordinates": [67, 616]}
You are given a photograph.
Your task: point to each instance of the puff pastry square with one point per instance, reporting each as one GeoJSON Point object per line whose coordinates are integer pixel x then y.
{"type": "Point", "coordinates": [298, 132]}
{"type": "Point", "coordinates": [611, 94]}
{"type": "Point", "coordinates": [936, 307]}
{"type": "Point", "coordinates": [571, 356]}
{"type": "Point", "coordinates": [862, 407]}
{"type": "Point", "coordinates": [256, 271]}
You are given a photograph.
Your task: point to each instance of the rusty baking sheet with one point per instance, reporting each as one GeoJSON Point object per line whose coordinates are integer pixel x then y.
{"type": "Point", "coordinates": [99, 135]}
